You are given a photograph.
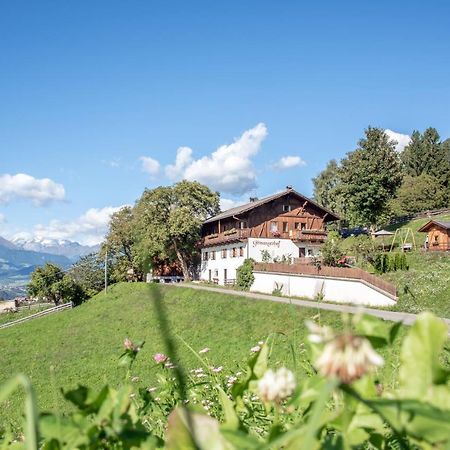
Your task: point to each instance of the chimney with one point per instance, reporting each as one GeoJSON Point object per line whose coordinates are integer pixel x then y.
{"type": "Point", "coordinates": [253, 199]}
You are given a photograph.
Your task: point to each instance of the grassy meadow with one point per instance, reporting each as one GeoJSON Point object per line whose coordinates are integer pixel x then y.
{"type": "Point", "coordinates": [83, 345]}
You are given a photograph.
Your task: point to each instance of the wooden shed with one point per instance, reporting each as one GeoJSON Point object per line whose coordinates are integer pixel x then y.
{"type": "Point", "coordinates": [438, 235]}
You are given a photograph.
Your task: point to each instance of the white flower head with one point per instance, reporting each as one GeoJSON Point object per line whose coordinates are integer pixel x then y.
{"type": "Point", "coordinates": [256, 349]}
{"type": "Point", "coordinates": [204, 350]}
{"type": "Point", "coordinates": [276, 386]}
{"type": "Point", "coordinates": [348, 358]}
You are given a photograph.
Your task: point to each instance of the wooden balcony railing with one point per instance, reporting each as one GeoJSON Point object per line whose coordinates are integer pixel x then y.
{"type": "Point", "coordinates": [325, 271]}
{"type": "Point", "coordinates": [225, 237]}
{"type": "Point", "coordinates": [310, 235]}
{"type": "Point", "coordinates": [438, 247]}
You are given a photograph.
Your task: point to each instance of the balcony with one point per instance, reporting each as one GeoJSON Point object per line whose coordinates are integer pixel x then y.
{"type": "Point", "coordinates": [317, 236]}
{"type": "Point", "coordinates": [225, 237]}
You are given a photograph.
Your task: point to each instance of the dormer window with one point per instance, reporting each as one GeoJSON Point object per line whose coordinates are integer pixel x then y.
{"type": "Point", "coordinates": [287, 208]}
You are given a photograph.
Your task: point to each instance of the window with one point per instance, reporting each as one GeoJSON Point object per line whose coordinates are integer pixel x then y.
{"type": "Point", "coordinates": [224, 253]}
{"type": "Point", "coordinates": [273, 226]}
{"type": "Point", "coordinates": [242, 224]}
{"type": "Point", "coordinates": [285, 227]}
{"type": "Point", "coordinates": [205, 256]}
{"type": "Point", "coordinates": [286, 208]}
{"type": "Point", "coordinates": [213, 255]}
{"type": "Point", "coordinates": [241, 251]}
{"type": "Point", "coordinates": [234, 252]}
{"type": "Point", "coordinates": [310, 252]}
{"type": "Point", "coordinates": [303, 226]}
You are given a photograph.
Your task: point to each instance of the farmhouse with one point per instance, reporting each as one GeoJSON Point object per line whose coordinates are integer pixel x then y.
{"type": "Point", "coordinates": [438, 235]}
{"type": "Point", "coordinates": [283, 226]}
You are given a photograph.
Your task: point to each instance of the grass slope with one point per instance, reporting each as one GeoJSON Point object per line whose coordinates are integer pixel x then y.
{"type": "Point", "coordinates": [82, 345]}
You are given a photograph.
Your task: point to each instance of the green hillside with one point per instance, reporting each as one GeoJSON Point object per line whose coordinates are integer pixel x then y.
{"type": "Point", "coordinates": [82, 345]}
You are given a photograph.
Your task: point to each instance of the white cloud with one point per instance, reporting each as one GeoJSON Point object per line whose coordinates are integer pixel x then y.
{"type": "Point", "coordinates": [227, 203]}
{"type": "Point", "coordinates": [150, 165]}
{"type": "Point", "coordinates": [287, 162]}
{"type": "Point", "coordinates": [89, 228]}
{"type": "Point", "coordinates": [182, 161]}
{"type": "Point", "coordinates": [228, 169]}
{"type": "Point", "coordinates": [39, 191]}
{"type": "Point", "coordinates": [402, 139]}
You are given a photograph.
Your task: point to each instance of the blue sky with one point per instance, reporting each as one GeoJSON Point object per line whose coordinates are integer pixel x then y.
{"type": "Point", "coordinates": [89, 88]}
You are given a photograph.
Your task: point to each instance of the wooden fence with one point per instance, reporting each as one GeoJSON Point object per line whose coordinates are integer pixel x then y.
{"type": "Point", "coordinates": [325, 271]}
{"type": "Point", "coordinates": [39, 314]}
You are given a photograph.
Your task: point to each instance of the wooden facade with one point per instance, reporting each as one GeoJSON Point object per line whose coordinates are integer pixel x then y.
{"type": "Point", "coordinates": [438, 235]}
{"type": "Point", "coordinates": [287, 215]}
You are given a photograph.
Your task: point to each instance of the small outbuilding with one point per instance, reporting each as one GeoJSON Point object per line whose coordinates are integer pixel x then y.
{"type": "Point", "coordinates": [438, 235]}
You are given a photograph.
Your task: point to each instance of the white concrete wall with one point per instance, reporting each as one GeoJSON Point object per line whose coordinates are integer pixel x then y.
{"type": "Point", "coordinates": [218, 264]}
{"type": "Point", "coordinates": [334, 289]}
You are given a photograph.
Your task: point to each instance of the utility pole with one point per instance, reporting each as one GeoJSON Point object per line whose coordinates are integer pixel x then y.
{"type": "Point", "coordinates": [106, 270]}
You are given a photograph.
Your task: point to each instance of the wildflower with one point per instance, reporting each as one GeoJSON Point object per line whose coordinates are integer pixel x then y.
{"type": "Point", "coordinates": [261, 343]}
{"type": "Point", "coordinates": [129, 345]}
{"type": "Point", "coordinates": [256, 349]}
{"type": "Point", "coordinates": [169, 365]}
{"type": "Point", "coordinates": [348, 358]}
{"type": "Point", "coordinates": [200, 375]}
{"type": "Point", "coordinates": [199, 370]}
{"type": "Point", "coordinates": [160, 358]}
{"type": "Point", "coordinates": [217, 369]}
{"type": "Point", "coordinates": [204, 350]}
{"type": "Point", "coordinates": [134, 379]}
{"type": "Point", "coordinates": [276, 386]}
{"type": "Point", "coordinates": [151, 389]}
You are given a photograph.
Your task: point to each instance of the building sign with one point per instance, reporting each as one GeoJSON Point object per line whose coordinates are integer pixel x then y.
{"type": "Point", "coordinates": [266, 243]}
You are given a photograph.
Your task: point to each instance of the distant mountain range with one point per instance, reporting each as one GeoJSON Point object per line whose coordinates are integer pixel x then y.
{"type": "Point", "coordinates": [62, 247]}
{"type": "Point", "coordinates": [18, 259]}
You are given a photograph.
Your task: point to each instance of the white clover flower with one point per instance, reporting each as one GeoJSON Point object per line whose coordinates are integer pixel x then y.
{"type": "Point", "coordinates": [256, 349]}
{"type": "Point", "coordinates": [217, 369]}
{"type": "Point", "coordinates": [348, 358]}
{"type": "Point", "coordinates": [199, 370]}
{"type": "Point", "coordinates": [204, 350]}
{"type": "Point", "coordinates": [151, 389]}
{"type": "Point", "coordinates": [276, 386]}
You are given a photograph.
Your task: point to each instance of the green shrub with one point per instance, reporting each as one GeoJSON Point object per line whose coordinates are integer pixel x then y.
{"type": "Point", "coordinates": [244, 275]}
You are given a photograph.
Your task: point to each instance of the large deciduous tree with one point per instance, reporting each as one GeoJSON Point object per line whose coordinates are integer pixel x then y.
{"type": "Point", "coordinates": [51, 283]}
{"type": "Point", "coordinates": [169, 219]}
{"type": "Point", "coordinates": [120, 244]}
{"type": "Point", "coordinates": [327, 188]}
{"type": "Point", "coordinates": [418, 194]}
{"type": "Point", "coordinates": [370, 176]}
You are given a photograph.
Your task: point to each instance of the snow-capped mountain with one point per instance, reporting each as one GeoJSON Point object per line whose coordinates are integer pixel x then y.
{"type": "Point", "coordinates": [63, 247]}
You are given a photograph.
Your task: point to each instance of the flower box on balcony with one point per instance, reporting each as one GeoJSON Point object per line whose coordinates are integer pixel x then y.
{"type": "Point", "coordinates": [230, 232]}
{"type": "Point", "coordinates": [212, 236]}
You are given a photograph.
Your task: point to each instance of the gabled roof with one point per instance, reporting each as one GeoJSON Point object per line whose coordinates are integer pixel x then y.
{"type": "Point", "coordinates": [257, 203]}
{"type": "Point", "coordinates": [438, 223]}
{"type": "Point", "coordinates": [382, 233]}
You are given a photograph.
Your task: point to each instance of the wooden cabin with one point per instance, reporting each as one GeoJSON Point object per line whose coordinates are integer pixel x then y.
{"type": "Point", "coordinates": [438, 235]}
{"type": "Point", "coordinates": [286, 225]}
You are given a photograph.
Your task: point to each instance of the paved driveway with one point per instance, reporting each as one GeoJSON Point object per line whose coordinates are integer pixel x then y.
{"type": "Point", "coordinates": [406, 318]}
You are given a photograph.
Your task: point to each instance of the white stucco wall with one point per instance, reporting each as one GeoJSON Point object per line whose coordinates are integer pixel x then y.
{"type": "Point", "coordinates": [219, 264]}
{"type": "Point", "coordinates": [334, 289]}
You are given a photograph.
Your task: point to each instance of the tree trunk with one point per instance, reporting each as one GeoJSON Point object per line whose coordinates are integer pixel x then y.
{"type": "Point", "coordinates": [183, 263]}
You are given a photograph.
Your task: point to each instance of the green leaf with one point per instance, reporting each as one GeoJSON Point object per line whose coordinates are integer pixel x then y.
{"type": "Point", "coordinates": [187, 430]}
{"type": "Point", "coordinates": [379, 332]}
{"type": "Point", "coordinates": [421, 375]}
{"type": "Point", "coordinates": [232, 421]}
{"type": "Point", "coordinates": [420, 420]}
